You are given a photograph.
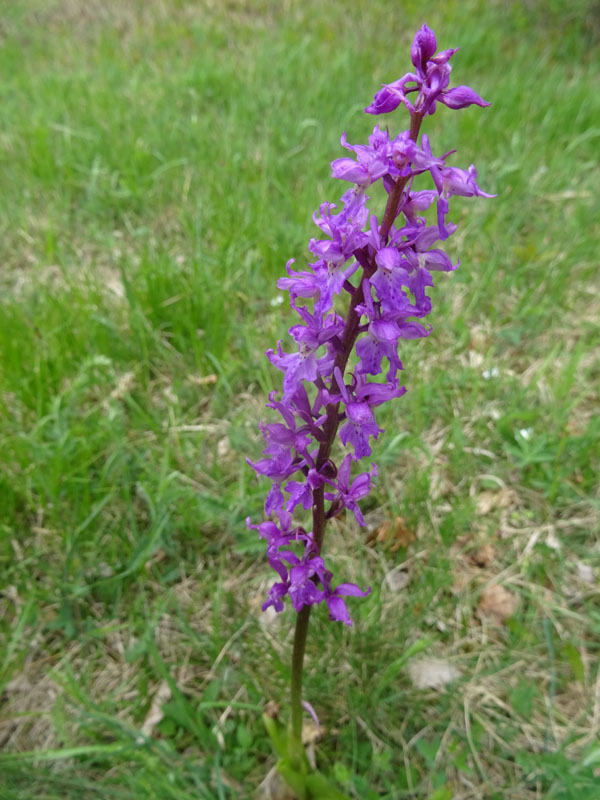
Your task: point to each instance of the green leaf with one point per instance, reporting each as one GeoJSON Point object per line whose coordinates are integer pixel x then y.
{"type": "Point", "coordinates": [394, 668]}
{"type": "Point", "coordinates": [429, 749]}
{"type": "Point", "coordinates": [522, 697]}
{"type": "Point", "coordinates": [592, 759]}
{"type": "Point", "coordinates": [277, 735]}
{"type": "Point", "coordinates": [147, 546]}
{"type": "Point", "coordinates": [244, 737]}
{"type": "Point", "coordinates": [295, 779]}
{"type": "Point", "coordinates": [573, 658]}
{"type": "Point", "coordinates": [341, 772]}
{"type": "Point", "coordinates": [70, 752]}
{"type": "Point", "coordinates": [443, 793]}
{"type": "Point", "coordinates": [179, 708]}
{"type": "Point", "coordinates": [319, 788]}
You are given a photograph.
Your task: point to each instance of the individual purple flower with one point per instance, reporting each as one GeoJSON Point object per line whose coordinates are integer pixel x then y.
{"type": "Point", "coordinates": [375, 393]}
{"type": "Point", "coordinates": [344, 229]}
{"type": "Point", "coordinates": [309, 412]}
{"type": "Point", "coordinates": [300, 366]}
{"type": "Point", "coordinates": [390, 280]}
{"type": "Point", "coordinates": [461, 97]}
{"type": "Point", "coordinates": [276, 596]}
{"type": "Point", "coordinates": [360, 422]}
{"type": "Point", "coordinates": [418, 259]}
{"type": "Point", "coordinates": [284, 439]}
{"type": "Point", "coordinates": [278, 537]}
{"type": "Point", "coordinates": [460, 182]}
{"type": "Point", "coordinates": [301, 492]}
{"type": "Point", "coordinates": [389, 97]}
{"type": "Point", "coordinates": [330, 280]}
{"type": "Point", "coordinates": [337, 607]}
{"type": "Point", "coordinates": [423, 47]}
{"type": "Point", "coordinates": [381, 338]}
{"type": "Point", "coordinates": [305, 365]}
{"type": "Point", "coordinates": [409, 158]}
{"type": "Point", "coordinates": [278, 468]}
{"type": "Point", "coordinates": [350, 492]}
{"type": "Point", "coordinates": [299, 284]}
{"type": "Point", "coordinates": [303, 590]}
{"type": "Point", "coordinates": [372, 160]}
{"type": "Point", "coordinates": [380, 342]}
{"type": "Point", "coordinates": [417, 201]}
{"type": "Point", "coordinates": [360, 425]}
{"type": "Point", "coordinates": [383, 332]}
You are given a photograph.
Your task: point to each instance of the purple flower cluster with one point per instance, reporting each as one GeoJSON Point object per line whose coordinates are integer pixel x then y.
{"type": "Point", "coordinates": [385, 267]}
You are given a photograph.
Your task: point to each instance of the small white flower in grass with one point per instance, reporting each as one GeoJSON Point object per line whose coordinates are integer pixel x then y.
{"type": "Point", "coordinates": [276, 301]}
{"type": "Point", "coordinates": [490, 373]}
{"type": "Point", "coordinates": [525, 433]}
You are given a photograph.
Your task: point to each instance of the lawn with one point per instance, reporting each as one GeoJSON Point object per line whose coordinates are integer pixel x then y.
{"type": "Point", "coordinates": [160, 164]}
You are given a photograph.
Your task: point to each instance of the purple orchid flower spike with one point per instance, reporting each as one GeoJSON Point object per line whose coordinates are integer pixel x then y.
{"type": "Point", "coordinates": [395, 257]}
{"type": "Point", "coordinates": [382, 267]}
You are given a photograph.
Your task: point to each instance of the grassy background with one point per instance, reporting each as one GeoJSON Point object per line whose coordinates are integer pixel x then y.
{"type": "Point", "coordinates": [160, 163]}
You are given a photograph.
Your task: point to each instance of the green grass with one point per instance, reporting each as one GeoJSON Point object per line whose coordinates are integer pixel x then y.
{"type": "Point", "coordinates": [160, 163]}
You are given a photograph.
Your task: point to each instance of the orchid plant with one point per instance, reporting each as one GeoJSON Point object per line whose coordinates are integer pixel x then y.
{"type": "Point", "coordinates": [384, 268]}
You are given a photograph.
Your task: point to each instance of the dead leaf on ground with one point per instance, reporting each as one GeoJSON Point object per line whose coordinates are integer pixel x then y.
{"type": "Point", "coordinates": [397, 579]}
{"type": "Point", "coordinates": [483, 556]}
{"type": "Point", "coordinates": [223, 447]}
{"type": "Point", "coordinates": [552, 541]}
{"type": "Point", "coordinates": [269, 618]}
{"type": "Point", "coordinates": [394, 531]}
{"type": "Point", "coordinates": [272, 709]}
{"type": "Point", "coordinates": [124, 386]}
{"type": "Point", "coordinates": [155, 714]}
{"type": "Point", "coordinates": [498, 603]}
{"type": "Point", "coordinates": [432, 673]}
{"type": "Point", "coordinates": [202, 380]}
{"type": "Point", "coordinates": [585, 572]}
{"type": "Point", "coordinates": [311, 732]}
{"type": "Point", "coordinates": [489, 500]}
{"type": "Point", "coordinates": [273, 787]}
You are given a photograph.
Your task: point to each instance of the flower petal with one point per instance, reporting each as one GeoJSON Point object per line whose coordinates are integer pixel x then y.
{"type": "Point", "coordinates": [461, 97]}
